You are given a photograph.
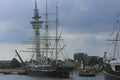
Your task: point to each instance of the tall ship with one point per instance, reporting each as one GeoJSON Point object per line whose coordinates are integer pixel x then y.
{"type": "Point", "coordinates": [112, 54]}
{"type": "Point", "coordinates": [46, 49]}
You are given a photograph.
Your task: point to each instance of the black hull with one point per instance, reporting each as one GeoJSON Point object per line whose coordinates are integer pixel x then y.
{"type": "Point", "coordinates": [109, 74]}
{"type": "Point", "coordinates": [49, 73]}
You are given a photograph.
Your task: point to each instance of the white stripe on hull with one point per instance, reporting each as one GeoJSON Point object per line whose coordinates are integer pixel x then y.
{"type": "Point", "coordinates": [114, 76]}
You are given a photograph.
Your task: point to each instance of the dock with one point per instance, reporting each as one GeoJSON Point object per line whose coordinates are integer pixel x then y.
{"type": "Point", "coordinates": [13, 71]}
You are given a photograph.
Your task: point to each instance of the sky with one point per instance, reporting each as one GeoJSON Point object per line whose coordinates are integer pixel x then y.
{"type": "Point", "coordinates": [86, 24]}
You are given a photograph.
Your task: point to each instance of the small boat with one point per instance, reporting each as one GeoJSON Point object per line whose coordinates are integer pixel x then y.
{"type": "Point", "coordinates": [86, 73]}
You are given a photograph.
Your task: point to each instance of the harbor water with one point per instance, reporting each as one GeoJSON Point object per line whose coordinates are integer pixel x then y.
{"type": "Point", "coordinates": [25, 77]}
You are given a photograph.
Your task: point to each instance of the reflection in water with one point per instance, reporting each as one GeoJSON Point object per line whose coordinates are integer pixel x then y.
{"type": "Point", "coordinates": [74, 77]}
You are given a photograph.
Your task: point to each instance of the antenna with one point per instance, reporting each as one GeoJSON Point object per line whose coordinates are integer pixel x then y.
{"type": "Point", "coordinates": [36, 12]}
{"type": "Point", "coordinates": [35, 4]}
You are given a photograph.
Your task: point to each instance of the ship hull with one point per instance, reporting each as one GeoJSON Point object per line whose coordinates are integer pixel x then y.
{"type": "Point", "coordinates": [109, 74]}
{"type": "Point", "coordinates": [49, 73]}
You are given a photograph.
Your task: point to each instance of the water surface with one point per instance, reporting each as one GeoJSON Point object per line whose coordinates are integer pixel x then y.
{"type": "Point", "coordinates": [24, 77]}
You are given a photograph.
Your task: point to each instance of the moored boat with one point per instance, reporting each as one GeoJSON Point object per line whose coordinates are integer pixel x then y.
{"type": "Point", "coordinates": [112, 71]}
{"type": "Point", "coordinates": [42, 65]}
{"type": "Point", "coordinates": [87, 73]}
{"type": "Point", "coordinates": [112, 61]}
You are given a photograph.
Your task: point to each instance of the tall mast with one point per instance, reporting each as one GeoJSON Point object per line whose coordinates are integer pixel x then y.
{"type": "Point", "coordinates": [56, 31]}
{"type": "Point", "coordinates": [116, 39]}
{"type": "Point", "coordinates": [117, 35]}
{"type": "Point", "coordinates": [36, 25]}
{"type": "Point", "coordinates": [46, 33]}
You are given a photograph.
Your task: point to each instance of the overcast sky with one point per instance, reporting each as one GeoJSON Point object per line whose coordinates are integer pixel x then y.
{"type": "Point", "coordinates": [86, 24]}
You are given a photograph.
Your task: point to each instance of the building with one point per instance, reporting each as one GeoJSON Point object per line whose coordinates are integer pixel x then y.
{"type": "Point", "coordinates": [79, 56]}
{"type": "Point", "coordinates": [88, 60]}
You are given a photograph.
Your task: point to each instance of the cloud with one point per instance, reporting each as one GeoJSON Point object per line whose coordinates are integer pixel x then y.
{"type": "Point", "coordinates": [92, 44]}
{"type": "Point", "coordinates": [85, 22]}
{"type": "Point", "coordinates": [85, 15]}
{"type": "Point", "coordinates": [4, 26]}
{"type": "Point", "coordinates": [7, 51]}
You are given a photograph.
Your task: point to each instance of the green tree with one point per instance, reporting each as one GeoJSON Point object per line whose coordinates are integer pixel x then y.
{"type": "Point", "coordinates": [15, 63]}
{"type": "Point", "coordinates": [93, 61]}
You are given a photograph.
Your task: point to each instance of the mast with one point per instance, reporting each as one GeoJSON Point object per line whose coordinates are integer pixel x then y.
{"type": "Point", "coordinates": [56, 51]}
{"type": "Point", "coordinates": [46, 33]}
{"type": "Point", "coordinates": [116, 37]}
{"type": "Point", "coordinates": [36, 25]}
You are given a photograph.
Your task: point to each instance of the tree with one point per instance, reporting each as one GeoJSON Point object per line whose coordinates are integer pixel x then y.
{"type": "Point", "coordinates": [15, 63]}
{"type": "Point", "coordinates": [92, 61]}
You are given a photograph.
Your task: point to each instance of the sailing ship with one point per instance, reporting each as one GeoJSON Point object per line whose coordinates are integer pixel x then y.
{"type": "Point", "coordinates": [112, 63]}
{"type": "Point", "coordinates": [43, 65]}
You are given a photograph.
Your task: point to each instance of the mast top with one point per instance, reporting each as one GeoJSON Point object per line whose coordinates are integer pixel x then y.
{"type": "Point", "coordinates": [36, 12]}
{"type": "Point", "coordinates": [35, 4]}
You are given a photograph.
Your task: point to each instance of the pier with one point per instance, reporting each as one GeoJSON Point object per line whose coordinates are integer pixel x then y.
{"type": "Point", "coordinates": [13, 71]}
